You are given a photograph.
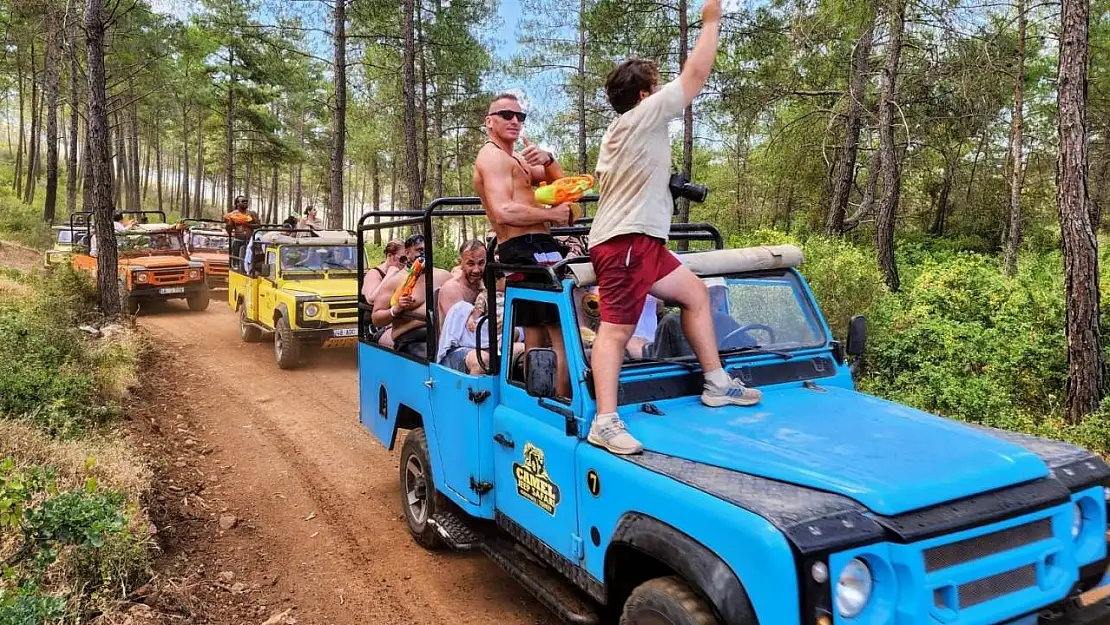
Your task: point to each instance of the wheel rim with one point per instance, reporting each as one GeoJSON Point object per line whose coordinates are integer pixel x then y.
{"type": "Point", "coordinates": [279, 346]}
{"type": "Point", "coordinates": [416, 490]}
{"type": "Point", "coordinates": [242, 321]}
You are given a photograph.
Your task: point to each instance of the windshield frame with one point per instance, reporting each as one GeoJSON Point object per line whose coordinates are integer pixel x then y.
{"type": "Point", "coordinates": [293, 273]}
{"type": "Point", "coordinates": [803, 295]}
{"type": "Point", "coordinates": [149, 251]}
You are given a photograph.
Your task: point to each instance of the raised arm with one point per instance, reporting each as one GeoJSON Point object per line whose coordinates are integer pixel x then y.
{"type": "Point", "coordinates": [700, 62]}
{"type": "Point", "coordinates": [496, 174]}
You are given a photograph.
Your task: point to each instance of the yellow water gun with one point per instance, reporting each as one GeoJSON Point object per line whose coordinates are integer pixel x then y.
{"type": "Point", "coordinates": [409, 284]}
{"type": "Point", "coordinates": [569, 189]}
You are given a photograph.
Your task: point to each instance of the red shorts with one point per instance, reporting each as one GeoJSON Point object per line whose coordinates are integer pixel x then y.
{"type": "Point", "coordinates": [627, 267]}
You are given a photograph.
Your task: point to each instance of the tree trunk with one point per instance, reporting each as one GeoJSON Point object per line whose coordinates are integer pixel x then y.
{"type": "Point", "coordinates": [846, 163]}
{"type": "Point", "coordinates": [581, 91]}
{"type": "Point", "coordinates": [198, 192]}
{"type": "Point", "coordinates": [376, 194]}
{"type": "Point", "coordinates": [423, 97]}
{"type": "Point", "coordinates": [229, 139]}
{"type": "Point", "coordinates": [1086, 369]}
{"type": "Point", "coordinates": [121, 158]}
{"type": "Point", "coordinates": [34, 140]}
{"type": "Point", "coordinates": [74, 102]}
{"type": "Point", "coordinates": [17, 178]}
{"type": "Point", "coordinates": [99, 155]}
{"type": "Point", "coordinates": [146, 169]}
{"type": "Point", "coordinates": [1017, 173]}
{"type": "Point", "coordinates": [271, 217]}
{"type": "Point", "coordinates": [408, 103]}
{"type": "Point", "coordinates": [158, 166]}
{"type": "Point", "coordinates": [437, 118]}
{"type": "Point", "coordinates": [339, 138]}
{"type": "Point", "coordinates": [891, 164]}
{"type": "Point", "coordinates": [133, 117]}
{"type": "Point", "coordinates": [940, 218]}
{"type": "Point", "coordinates": [185, 154]}
{"type": "Point", "coordinates": [687, 119]}
{"type": "Point", "coordinates": [50, 91]}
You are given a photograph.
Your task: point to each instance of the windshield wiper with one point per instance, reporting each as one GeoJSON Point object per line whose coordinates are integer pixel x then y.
{"type": "Point", "coordinates": [757, 349]}
{"type": "Point", "coordinates": [688, 364]}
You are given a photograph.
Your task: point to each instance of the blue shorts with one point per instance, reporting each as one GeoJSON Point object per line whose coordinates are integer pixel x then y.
{"type": "Point", "coordinates": [455, 358]}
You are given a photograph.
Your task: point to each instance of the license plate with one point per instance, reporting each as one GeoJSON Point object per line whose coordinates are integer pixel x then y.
{"type": "Point", "coordinates": [345, 332]}
{"type": "Point", "coordinates": [171, 289]}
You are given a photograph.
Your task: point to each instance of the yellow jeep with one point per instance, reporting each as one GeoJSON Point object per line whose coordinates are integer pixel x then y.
{"type": "Point", "coordinates": [64, 239]}
{"type": "Point", "coordinates": [300, 286]}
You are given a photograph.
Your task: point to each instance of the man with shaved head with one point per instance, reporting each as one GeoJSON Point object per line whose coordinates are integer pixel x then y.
{"type": "Point", "coordinates": [505, 180]}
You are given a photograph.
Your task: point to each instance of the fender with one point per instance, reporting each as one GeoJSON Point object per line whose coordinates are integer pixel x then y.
{"type": "Point", "coordinates": [282, 310]}
{"type": "Point", "coordinates": [693, 561]}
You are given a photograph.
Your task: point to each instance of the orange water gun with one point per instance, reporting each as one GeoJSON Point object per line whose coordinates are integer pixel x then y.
{"type": "Point", "coordinates": [238, 218]}
{"type": "Point", "coordinates": [569, 189]}
{"type": "Point", "coordinates": [409, 284]}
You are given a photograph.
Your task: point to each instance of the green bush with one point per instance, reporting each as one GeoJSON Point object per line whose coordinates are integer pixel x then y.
{"type": "Point", "coordinates": [22, 223]}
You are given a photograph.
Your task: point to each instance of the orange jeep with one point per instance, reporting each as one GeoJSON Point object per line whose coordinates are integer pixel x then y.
{"type": "Point", "coordinates": [207, 241]}
{"type": "Point", "coordinates": [153, 264]}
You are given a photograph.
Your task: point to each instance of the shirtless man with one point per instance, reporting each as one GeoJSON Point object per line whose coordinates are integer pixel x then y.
{"type": "Point", "coordinates": [505, 179]}
{"type": "Point", "coordinates": [472, 265]}
{"type": "Point", "coordinates": [409, 318]}
{"type": "Point", "coordinates": [240, 225]}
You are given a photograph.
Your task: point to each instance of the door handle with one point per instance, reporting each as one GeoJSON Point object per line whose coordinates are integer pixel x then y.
{"type": "Point", "coordinates": [504, 442]}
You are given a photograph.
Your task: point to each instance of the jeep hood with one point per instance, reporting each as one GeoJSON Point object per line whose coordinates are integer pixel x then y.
{"type": "Point", "coordinates": [154, 262]}
{"type": "Point", "coordinates": [342, 287]}
{"type": "Point", "coordinates": [889, 457]}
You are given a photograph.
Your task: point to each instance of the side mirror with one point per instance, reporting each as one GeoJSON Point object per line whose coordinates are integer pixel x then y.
{"type": "Point", "coordinates": [539, 373]}
{"type": "Point", "coordinates": [857, 336]}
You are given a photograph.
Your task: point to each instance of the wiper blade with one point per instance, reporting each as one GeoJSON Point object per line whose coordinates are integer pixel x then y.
{"type": "Point", "coordinates": [757, 349]}
{"type": "Point", "coordinates": [688, 364]}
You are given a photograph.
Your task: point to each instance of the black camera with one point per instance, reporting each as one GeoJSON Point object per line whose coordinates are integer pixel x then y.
{"type": "Point", "coordinates": [682, 187]}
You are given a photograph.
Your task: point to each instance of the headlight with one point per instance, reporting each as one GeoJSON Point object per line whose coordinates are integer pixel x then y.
{"type": "Point", "coordinates": [853, 589]}
{"type": "Point", "coordinates": [142, 277]}
{"type": "Point", "coordinates": [311, 310]}
{"type": "Point", "coordinates": [1076, 521]}
{"type": "Point", "coordinates": [194, 274]}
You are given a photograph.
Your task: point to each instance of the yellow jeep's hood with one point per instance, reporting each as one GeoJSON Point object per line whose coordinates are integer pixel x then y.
{"type": "Point", "coordinates": [154, 262]}
{"type": "Point", "coordinates": [342, 287]}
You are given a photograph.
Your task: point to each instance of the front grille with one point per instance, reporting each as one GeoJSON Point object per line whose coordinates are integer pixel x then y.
{"type": "Point", "coordinates": [215, 269]}
{"type": "Point", "coordinates": [952, 554]}
{"type": "Point", "coordinates": [346, 311]}
{"type": "Point", "coordinates": [983, 590]}
{"type": "Point", "coordinates": [167, 276]}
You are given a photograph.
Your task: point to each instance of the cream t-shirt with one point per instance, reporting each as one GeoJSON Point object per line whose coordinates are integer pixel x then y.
{"type": "Point", "coordinates": [634, 169]}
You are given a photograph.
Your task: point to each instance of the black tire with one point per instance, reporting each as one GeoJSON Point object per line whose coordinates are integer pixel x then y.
{"type": "Point", "coordinates": [286, 350]}
{"type": "Point", "coordinates": [128, 303]}
{"type": "Point", "coordinates": [425, 501]}
{"type": "Point", "coordinates": [199, 301]}
{"type": "Point", "coordinates": [247, 332]}
{"type": "Point", "coordinates": [667, 601]}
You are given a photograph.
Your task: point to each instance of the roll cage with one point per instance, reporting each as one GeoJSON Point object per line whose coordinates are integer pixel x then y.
{"type": "Point", "coordinates": [546, 278]}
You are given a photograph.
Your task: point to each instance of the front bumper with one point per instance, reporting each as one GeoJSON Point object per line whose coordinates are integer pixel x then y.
{"type": "Point", "coordinates": [330, 337]}
{"type": "Point", "coordinates": [148, 293]}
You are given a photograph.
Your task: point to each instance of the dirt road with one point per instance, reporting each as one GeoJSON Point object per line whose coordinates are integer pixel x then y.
{"type": "Point", "coordinates": [318, 523]}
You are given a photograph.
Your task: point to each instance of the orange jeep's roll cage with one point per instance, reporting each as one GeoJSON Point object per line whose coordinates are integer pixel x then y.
{"type": "Point", "coordinates": [548, 278]}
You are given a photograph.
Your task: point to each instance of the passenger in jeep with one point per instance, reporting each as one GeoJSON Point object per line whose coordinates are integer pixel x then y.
{"type": "Point", "coordinates": [394, 261]}
{"type": "Point", "coordinates": [464, 287]}
{"type": "Point", "coordinates": [408, 317]}
{"type": "Point", "coordinates": [504, 180]}
{"type": "Point", "coordinates": [628, 239]}
{"type": "Point", "coordinates": [240, 225]}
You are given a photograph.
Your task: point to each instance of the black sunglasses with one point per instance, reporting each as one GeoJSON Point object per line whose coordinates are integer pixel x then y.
{"type": "Point", "coordinates": [506, 115]}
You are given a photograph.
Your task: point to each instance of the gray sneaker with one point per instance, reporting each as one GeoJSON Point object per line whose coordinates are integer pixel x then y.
{"type": "Point", "coordinates": [610, 433]}
{"type": "Point", "coordinates": [735, 394]}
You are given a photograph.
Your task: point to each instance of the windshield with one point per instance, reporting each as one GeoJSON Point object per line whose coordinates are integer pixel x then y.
{"type": "Point", "coordinates": [768, 312]}
{"type": "Point", "coordinates": [65, 236]}
{"type": "Point", "coordinates": [318, 258]}
{"type": "Point", "coordinates": [148, 242]}
{"type": "Point", "coordinates": [208, 242]}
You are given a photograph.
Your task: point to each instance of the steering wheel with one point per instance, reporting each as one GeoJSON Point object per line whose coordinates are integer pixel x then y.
{"type": "Point", "coordinates": [750, 328]}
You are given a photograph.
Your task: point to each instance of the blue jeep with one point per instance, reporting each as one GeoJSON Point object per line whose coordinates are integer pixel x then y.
{"type": "Point", "coordinates": [821, 505]}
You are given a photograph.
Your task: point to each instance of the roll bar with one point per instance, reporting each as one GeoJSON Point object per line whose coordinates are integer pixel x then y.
{"type": "Point", "coordinates": [545, 277]}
